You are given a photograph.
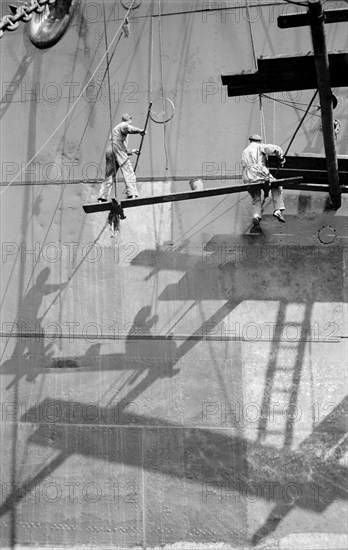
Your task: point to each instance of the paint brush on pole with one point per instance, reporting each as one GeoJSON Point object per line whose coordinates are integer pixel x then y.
{"type": "Point", "coordinates": [142, 137]}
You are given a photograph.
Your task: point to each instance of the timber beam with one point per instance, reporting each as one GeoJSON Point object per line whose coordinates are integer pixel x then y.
{"type": "Point", "coordinates": [325, 94]}
{"type": "Point", "coordinates": [286, 73]}
{"type": "Point", "coordinates": [312, 168]}
{"type": "Point", "coordinates": [173, 197]}
{"type": "Point", "coordinates": [303, 19]}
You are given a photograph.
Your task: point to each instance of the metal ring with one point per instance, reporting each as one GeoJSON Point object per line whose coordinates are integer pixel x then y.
{"type": "Point", "coordinates": [127, 3]}
{"type": "Point", "coordinates": [165, 115]}
{"type": "Point", "coordinates": [47, 28]}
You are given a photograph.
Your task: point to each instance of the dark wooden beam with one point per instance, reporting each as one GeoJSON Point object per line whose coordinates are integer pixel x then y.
{"type": "Point", "coordinates": [309, 176]}
{"type": "Point", "coordinates": [173, 197]}
{"type": "Point", "coordinates": [313, 187]}
{"type": "Point", "coordinates": [286, 73]}
{"type": "Point", "coordinates": [303, 19]}
{"type": "Point", "coordinates": [309, 161]}
{"type": "Point", "coordinates": [325, 93]}
{"type": "Point", "coordinates": [311, 168]}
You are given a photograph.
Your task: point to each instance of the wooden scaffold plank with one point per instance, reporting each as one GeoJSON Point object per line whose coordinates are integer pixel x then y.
{"type": "Point", "coordinates": [189, 195]}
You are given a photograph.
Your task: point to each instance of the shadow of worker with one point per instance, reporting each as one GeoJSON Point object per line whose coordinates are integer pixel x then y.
{"type": "Point", "coordinates": [147, 353]}
{"type": "Point", "coordinates": [30, 350]}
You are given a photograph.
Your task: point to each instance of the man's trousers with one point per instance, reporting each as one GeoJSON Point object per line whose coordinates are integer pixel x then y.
{"type": "Point", "coordinates": [111, 169]}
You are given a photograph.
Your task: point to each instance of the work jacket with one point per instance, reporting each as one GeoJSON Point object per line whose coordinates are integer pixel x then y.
{"type": "Point", "coordinates": [254, 161]}
{"type": "Point", "coordinates": [120, 140]}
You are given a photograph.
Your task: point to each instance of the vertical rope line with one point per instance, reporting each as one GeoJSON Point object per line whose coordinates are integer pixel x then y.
{"type": "Point", "coordinates": [150, 99]}
{"type": "Point", "coordinates": [251, 35]}
{"type": "Point", "coordinates": [109, 95]}
{"type": "Point", "coordinates": [162, 82]}
{"type": "Point", "coordinates": [262, 118]}
{"type": "Point", "coordinates": [69, 111]}
{"type": "Point", "coordinates": [151, 59]}
{"type": "Point", "coordinates": [274, 115]}
{"type": "Point", "coordinates": [301, 121]}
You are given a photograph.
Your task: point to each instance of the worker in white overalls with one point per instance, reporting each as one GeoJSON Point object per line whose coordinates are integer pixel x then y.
{"type": "Point", "coordinates": [117, 155]}
{"type": "Point", "coordinates": [254, 170]}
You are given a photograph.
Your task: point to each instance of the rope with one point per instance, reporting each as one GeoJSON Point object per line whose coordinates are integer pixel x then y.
{"type": "Point", "coordinates": [262, 117]}
{"type": "Point", "coordinates": [301, 121]}
{"type": "Point", "coordinates": [162, 82]}
{"type": "Point", "coordinates": [251, 35]}
{"type": "Point", "coordinates": [70, 110]}
{"type": "Point", "coordinates": [150, 102]}
{"type": "Point", "coordinates": [151, 60]}
{"type": "Point", "coordinates": [289, 104]}
{"type": "Point", "coordinates": [298, 127]}
{"type": "Point", "coordinates": [262, 120]}
{"type": "Point", "coordinates": [109, 94]}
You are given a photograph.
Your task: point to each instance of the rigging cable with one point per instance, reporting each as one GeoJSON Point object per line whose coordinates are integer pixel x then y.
{"type": "Point", "coordinates": [109, 95]}
{"type": "Point", "coordinates": [296, 3]}
{"type": "Point", "coordinates": [262, 118]}
{"type": "Point", "coordinates": [162, 82]}
{"type": "Point", "coordinates": [287, 104]}
{"type": "Point", "coordinates": [251, 34]}
{"type": "Point", "coordinates": [70, 110]}
{"type": "Point", "coordinates": [154, 301]}
{"type": "Point", "coordinates": [301, 121]}
{"type": "Point", "coordinates": [151, 59]}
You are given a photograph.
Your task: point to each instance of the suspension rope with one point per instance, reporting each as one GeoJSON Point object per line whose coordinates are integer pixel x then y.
{"type": "Point", "coordinates": [274, 123]}
{"type": "Point", "coordinates": [288, 104]}
{"type": "Point", "coordinates": [298, 127]}
{"type": "Point", "coordinates": [156, 232]}
{"type": "Point", "coordinates": [262, 117]}
{"type": "Point", "coordinates": [301, 121]}
{"type": "Point", "coordinates": [151, 59]}
{"type": "Point", "coordinates": [162, 82]}
{"type": "Point", "coordinates": [70, 110]}
{"type": "Point", "coordinates": [251, 35]}
{"type": "Point", "coordinates": [109, 94]}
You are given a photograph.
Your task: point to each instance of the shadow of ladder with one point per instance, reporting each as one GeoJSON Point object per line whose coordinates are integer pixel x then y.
{"type": "Point", "coordinates": [279, 409]}
{"type": "Point", "coordinates": [292, 372]}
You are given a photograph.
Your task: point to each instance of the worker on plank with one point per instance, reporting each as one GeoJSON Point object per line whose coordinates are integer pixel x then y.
{"type": "Point", "coordinates": [117, 154]}
{"type": "Point", "coordinates": [255, 170]}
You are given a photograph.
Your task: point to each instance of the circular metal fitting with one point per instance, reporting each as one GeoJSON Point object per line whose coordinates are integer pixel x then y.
{"type": "Point", "coordinates": [162, 110]}
{"type": "Point", "coordinates": [327, 234]}
{"type": "Point", "coordinates": [46, 28]}
{"type": "Point", "coordinates": [128, 3]}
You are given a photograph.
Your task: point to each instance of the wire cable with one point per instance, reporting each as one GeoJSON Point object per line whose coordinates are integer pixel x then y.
{"type": "Point", "coordinates": [262, 116]}
{"type": "Point", "coordinates": [296, 3]}
{"type": "Point", "coordinates": [162, 81]}
{"type": "Point", "coordinates": [301, 121]}
{"type": "Point", "coordinates": [289, 105]}
{"type": "Point", "coordinates": [70, 110]}
{"type": "Point", "coordinates": [109, 94]}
